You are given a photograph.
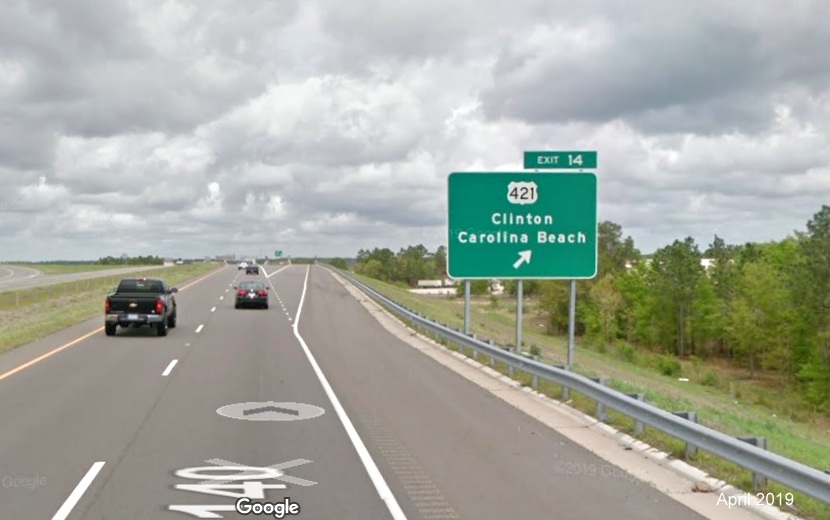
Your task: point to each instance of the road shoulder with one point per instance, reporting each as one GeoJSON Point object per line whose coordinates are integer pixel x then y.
{"type": "Point", "coordinates": [673, 477]}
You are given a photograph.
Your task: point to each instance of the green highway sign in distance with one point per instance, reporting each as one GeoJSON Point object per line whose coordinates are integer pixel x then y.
{"type": "Point", "coordinates": [277, 254]}
{"type": "Point", "coordinates": [522, 225]}
{"type": "Point", "coordinates": [561, 160]}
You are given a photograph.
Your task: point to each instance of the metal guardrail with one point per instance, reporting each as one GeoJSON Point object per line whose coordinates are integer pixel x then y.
{"type": "Point", "coordinates": [787, 472]}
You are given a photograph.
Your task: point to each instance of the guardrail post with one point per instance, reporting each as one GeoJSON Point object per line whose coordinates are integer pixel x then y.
{"type": "Point", "coordinates": [601, 416]}
{"type": "Point", "coordinates": [535, 382]}
{"type": "Point", "coordinates": [691, 450]}
{"type": "Point", "coordinates": [639, 427]}
{"type": "Point", "coordinates": [759, 481]}
{"type": "Point", "coordinates": [510, 367]}
{"type": "Point", "coordinates": [492, 359]}
{"type": "Point", "coordinates": [475, 351]}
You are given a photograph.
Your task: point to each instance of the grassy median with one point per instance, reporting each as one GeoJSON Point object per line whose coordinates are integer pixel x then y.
{"type": "Point", "coordinates": [722, 399]}
{"type": "Point", "coordinates": [47, 268]}
{"type": "Point", "coordinates": [27, 315]}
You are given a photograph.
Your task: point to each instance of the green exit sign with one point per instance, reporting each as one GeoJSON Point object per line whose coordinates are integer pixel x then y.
{"type": "Point", "coordinates": [277, 254]}
{"type": "Point", "coordinates": [522, 225]}
{"type": "Point", "coordinates": [560, 160]}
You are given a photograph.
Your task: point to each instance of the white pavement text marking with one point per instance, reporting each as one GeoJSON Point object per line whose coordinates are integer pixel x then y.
{"type": "Point", "coordinates": [79, 491]}
{"type": "Point", "coordinates": [226, 465]}
{"type": "Point", "coordinates": [248, 479]}
{"type": "Point", "coordinates": [169, 368]}
{"type": "Point", "coordinates": [374, 473]}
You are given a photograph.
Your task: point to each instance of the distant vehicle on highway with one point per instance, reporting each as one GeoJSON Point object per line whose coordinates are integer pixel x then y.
{"type": "Point", "coordinates": [139, 302]}
{"type": "Point", "coordinates": [251, 294]}
{"type": "Point", "coordinates": [252, 269]}
{"type": "Point", "coordinates": [242, 265]}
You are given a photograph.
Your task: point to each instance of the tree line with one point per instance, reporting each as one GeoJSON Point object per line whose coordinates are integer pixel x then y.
{"type": "Point", "coordinates": [761, 307]}
{"type": "Point", "coordinates": [408, 265]}
{"type": "Point", "coordinates": [130, 260]}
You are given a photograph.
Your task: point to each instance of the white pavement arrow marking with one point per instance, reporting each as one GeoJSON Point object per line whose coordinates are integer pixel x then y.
{"type": "Point", "coordinates": [524, 258]}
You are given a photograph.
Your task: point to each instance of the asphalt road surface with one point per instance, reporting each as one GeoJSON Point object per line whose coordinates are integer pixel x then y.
{"type": "Point", "coordinates": [127, 427]}
{"type": "Point", "coordinates": [11, 275]}
{"type": "Point", "coordinates": [19, 277]}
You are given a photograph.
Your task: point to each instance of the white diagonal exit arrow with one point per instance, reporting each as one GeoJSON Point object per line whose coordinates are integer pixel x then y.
{"type": "Point", "coordinates": [524, 258]}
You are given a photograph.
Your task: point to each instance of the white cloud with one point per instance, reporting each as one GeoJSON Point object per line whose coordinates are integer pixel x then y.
{"type": "Point", "coordinates": [329, 127]}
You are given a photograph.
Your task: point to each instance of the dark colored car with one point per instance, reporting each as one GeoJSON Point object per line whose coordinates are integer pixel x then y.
{"type": "Point", "coordinates": [251, 294]}
{"type": "Point", "coordinates": [252, 269]}
{"type": "Point", "coordinates": [138, 302]}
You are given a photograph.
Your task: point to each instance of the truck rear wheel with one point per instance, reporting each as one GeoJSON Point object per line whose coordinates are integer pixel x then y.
{"type": "Point", "coordinates": [171, 321]}
{"type": "Point", "coordinates": [109, 329]}
{"type": "Point", "coordinates": [161, 328]}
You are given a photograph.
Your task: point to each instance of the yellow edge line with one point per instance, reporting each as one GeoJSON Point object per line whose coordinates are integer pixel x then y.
{"type": "Point", "coordinates": [78, 340]}
{"type": "Point", "coordinates": [44, 356]}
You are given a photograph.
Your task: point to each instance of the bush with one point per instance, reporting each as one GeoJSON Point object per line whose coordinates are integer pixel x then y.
{"type": "Point", "coordinates": [627, 353]}
{"type": "Point", "coordinates": [710, 379]}
{"type": "Point", "coordinates": [339, 263]}
{"type": "Point", "coordinates": [668, 366]}
{"type": "Point", "coordinates": [535, 351]}
{"type": "Point", "coordinates": [696, 361]}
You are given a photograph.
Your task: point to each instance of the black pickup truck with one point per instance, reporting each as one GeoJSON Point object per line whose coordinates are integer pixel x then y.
{"type": "Point", "coordinates": [137, 302]}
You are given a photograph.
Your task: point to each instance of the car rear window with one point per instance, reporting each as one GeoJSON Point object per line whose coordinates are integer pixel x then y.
{"type": "Point", "coordinates": [140, 286]}
{"type": "Point", "coordinates": [251, 285]}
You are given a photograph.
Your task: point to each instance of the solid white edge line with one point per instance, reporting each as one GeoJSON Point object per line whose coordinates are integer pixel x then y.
{"type": "Point", "coordinates": [374, 473]}
{"type": "Point", "coordinates": [199, 329]}
{"type": "Point", "coordinates": [169, 368]}
{"type": "Point", "coordinates": [79, 491]}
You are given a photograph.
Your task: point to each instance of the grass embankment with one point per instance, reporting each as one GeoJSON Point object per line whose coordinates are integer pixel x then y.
{"type": "Point", "coordinates": [75, 268]}
{"type": "Point", "coordinates": [724, 399]}
{"type": "Point", "coordinates": [27, 315]}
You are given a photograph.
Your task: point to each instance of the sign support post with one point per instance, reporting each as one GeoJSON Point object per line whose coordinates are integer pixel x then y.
{"type": "Point", "coordinates": [519, 309]}
{"type": "Point", "coordinates": [467, 307]}
{"type": "Point", "coordinates": [571, 324]}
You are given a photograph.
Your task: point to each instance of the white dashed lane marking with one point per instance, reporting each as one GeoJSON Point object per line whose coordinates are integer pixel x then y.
{"type": "Point", "coordinates": [169, 368]}
{"type": "Point", "coordinates": [78, 492]}
{"type": "Point", "coordinates": [278, 297]}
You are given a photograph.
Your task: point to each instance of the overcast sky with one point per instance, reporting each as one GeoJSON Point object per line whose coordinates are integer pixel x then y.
{"type": "Point", "coordinates": [202, 127]}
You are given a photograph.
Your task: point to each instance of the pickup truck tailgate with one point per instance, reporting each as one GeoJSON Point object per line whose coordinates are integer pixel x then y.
{"type": "Point", "coordinates": [132, 303]}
